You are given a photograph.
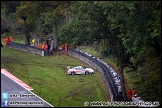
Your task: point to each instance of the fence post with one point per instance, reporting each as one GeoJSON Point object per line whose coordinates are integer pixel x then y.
{"type": "Point", "coordinates": [43, 53]}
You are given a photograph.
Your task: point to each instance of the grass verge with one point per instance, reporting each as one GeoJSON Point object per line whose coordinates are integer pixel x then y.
{"type": "Point", "coordinates": [48, 77]}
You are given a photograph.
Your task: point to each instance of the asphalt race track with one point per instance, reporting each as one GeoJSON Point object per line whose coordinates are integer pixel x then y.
{"type": "Point", "coordinates": [19, 95]}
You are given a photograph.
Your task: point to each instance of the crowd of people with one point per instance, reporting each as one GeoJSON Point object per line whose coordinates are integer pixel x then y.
{"type": "Point", "coordinates": [65, 47]}
{"type": "Point", "coordinates": [8, 39]}
{"type": "Point", "coordinates": [44, 46]}
{"type": "Point", "coordinates": [36, 44]}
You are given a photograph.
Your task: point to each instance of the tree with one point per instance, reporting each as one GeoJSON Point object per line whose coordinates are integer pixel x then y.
{"type": "Point", "coordinates": [10, 6]}
{"type": "Point", "coordinates": [34, 9]}
{"type": "Point", "coordinates": [106, 23]}
{"type": "Point", "coordinates": [7, 10]}
{"type": "Point", "coordinates": [142, 36]}
{"type": "Point", "coordinates": [134, 28]}
{"type": "Point", "coordinates": [5, 27]}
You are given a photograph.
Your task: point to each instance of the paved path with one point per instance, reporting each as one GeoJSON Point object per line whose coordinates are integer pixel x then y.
{"type": "Point", "coordinates": [13, 85]}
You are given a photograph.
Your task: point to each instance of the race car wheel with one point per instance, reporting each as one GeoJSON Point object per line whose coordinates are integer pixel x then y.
{"type": "Point", "coordinates": [86, 72]}
{"type": "Point", "coordinates": [72, 73]}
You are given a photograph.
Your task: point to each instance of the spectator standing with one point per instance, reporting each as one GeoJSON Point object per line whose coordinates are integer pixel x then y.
{"type": "Point", "coordinates": [6, 40]}
{"type": "Point", "coordinates": [44, 46]}
{"type": "Point", "coordinates": [10, 39]}
{"type": "Point", "coordinates": [48, 46]}
{"type": "Point", "coordinates": [133, 92]}
{"type": "Point", "coordinates": [66, 46]}
{"type": "Point", "coordinates": [71, 46]}
{"type": "Point", "coordinates": [61, 47]}
{"type": "Point", "coordinates": [33, 41]}
{"type": "Point", "coordinates": [37, 45]}
{"type": "Point", "coordinates": [129, 92]}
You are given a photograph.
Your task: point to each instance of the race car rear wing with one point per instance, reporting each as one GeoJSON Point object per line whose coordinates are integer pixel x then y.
{"type": "Point", "coordinates": [68, 67]}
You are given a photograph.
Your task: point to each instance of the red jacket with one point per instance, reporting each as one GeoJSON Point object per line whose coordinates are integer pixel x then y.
{"type": "Point", "coordinates": [133, 92]}
{"type": "Point", "coordinates": [129, 92]}
{"type": "Point", "coordinates": [10, 39]}
{"type": "Point", "coordinates": [37, 45]}
{"type": "Point", "coordinates": [44, 46]}
{"type": "Point", "coordinates": [6, 40]}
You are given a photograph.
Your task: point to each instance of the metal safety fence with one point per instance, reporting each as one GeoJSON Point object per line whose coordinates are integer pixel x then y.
{"type": "Point", "coordinates": [30, 49]}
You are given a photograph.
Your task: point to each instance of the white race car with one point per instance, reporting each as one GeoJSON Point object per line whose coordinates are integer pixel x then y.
{"type": "Point", "coordinates": [79, 70]}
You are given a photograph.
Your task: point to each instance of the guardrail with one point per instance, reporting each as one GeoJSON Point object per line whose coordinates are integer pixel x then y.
{"type": "Point", "coordinates": [110, 77]}
{"type": "Point", "coordinates": [30, 49]}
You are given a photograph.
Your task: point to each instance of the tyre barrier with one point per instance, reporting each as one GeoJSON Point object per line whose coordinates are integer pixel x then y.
{"type": "Point", "coordinates": [110, 77]}
{"type": "Point", "coordinates": [30, 49]}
